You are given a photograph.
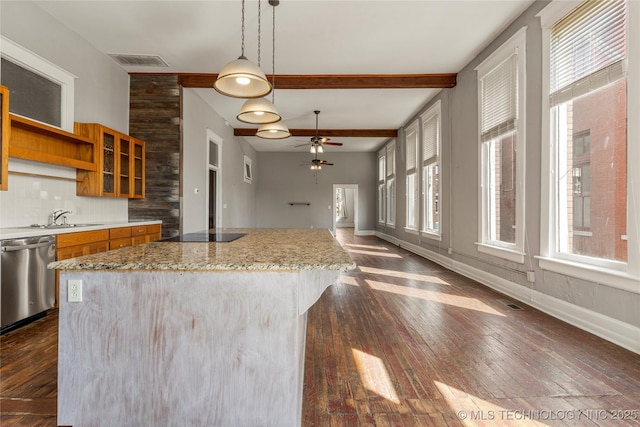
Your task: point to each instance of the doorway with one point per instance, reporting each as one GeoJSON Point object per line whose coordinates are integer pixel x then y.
{"type": "Point", "coordinates": [214, 193]}
{"type": "Point", "coordinates": [212, 197]}
{"type": "Point", "coordinates": [345, 207]}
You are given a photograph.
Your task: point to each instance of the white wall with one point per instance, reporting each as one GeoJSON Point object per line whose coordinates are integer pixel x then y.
{"type": "Point", "coordinates": [282, 178]}
{"type": "Point", "coordinates": [237, 195]}
{"type": "Point", "coordinates": [101, 95]}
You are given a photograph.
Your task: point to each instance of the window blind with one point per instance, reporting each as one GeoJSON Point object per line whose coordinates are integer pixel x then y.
{"type": "Point", "coordinates": [499, 93]}
{"type": "Point", "coordinates": [588, 48]}
{"type": "Point", "coordinates": [411, 145]}
{"type": "Point", "coordinates": [381, 164]}
{"type": "Point", "coordinates": [430, 140]}
{"type": "Point", "coordinates": [391, 160]}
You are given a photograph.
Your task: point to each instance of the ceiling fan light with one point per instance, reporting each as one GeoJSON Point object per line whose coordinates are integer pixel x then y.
{"type": "Point", "coordinates": [277, 130]}
{"type": "Point", "coordinates": [258, 111]}
{"type": "Point", "coordinates": [242, 79]}
{"type": "Point", "coordinates": [313, 149]}
{"type": "Point", "coordinates": [319, 149]}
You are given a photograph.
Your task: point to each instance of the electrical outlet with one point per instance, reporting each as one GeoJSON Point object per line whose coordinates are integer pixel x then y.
{"type": "Point", "coordinates": [74, 290]}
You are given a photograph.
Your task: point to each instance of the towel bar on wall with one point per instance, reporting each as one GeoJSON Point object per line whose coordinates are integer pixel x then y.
{"type": "Point", "coordinates": [299, 203]}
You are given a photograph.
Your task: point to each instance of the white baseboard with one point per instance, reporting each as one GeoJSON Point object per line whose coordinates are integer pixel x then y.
{"type": "Point", "coordinates": [365, 233]}
{"type": "Point", "coordinates": [615, 331]}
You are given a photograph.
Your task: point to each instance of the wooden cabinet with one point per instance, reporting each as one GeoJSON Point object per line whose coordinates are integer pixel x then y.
{"type": "Point", "coordinates": [71, 245]}
{"type": "Point", "coordinates": [119, 237]}
{"type": "Point", "coordinates": [138, 167]}
{"type": "Point", "coordinates": [5, 129]}
{"type": "Point", "coordinates": [120, 164]}
{"type": "Point", "coordinates": [135, 235]}
{"type": "Point", "coordinates": [153, 233]}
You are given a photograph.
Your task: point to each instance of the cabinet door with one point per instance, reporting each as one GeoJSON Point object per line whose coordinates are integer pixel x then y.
{"type": "Point", "coordinates": [119, 243]}
{"type": "Point", "coordinates": [5, 128]}
{"type": "Point", "coordinates": [137, 168]}
{"type": "Point", "coordinates": [124, 166]}
{"type": "Point", "coordinates": [108, 161]}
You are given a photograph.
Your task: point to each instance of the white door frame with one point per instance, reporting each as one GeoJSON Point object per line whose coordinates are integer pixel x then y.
{"type": "Point", "coordinates": [216, 139]}
{"type": "Point", "coordinates": [354, 187]}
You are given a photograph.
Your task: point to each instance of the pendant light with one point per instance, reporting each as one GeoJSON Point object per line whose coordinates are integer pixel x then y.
{"type": "Point", "coordinates": [274, 130]}
{"type": "Point", "coordinates": [258, 110]}
{"type": "Point", "coordinates": [242, 78]}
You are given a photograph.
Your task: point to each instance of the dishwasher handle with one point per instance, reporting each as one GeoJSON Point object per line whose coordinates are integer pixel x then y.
{"type": "Point", "coordinates": [24, 247]}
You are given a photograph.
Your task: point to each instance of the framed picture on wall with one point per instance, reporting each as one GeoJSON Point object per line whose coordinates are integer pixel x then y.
{"type": "Point", "coordinates": [248, 174]}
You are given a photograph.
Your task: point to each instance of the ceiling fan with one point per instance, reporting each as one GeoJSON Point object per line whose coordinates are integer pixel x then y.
{"type": "Point", "coordinates": [318, 142]}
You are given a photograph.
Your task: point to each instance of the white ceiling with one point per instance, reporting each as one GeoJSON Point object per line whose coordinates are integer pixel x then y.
{"type": "Point", "coordinates": [312, 37]}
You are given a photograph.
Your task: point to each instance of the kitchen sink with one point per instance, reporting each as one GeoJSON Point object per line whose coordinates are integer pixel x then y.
{"type": "Point", "coordinates": [49, 226]}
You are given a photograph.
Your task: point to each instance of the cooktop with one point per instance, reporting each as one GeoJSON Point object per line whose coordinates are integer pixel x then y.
{"type": "Point", "coordinates": [205, 236]}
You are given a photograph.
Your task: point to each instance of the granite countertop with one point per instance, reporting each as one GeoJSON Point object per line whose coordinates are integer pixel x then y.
{"type": "Point", "coordinates": [259, 249]}
{"type": "Point", "coordinates": [21, 232]}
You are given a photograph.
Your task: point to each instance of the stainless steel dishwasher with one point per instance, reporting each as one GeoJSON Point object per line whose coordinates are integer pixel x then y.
{"type": "Point", "coordinates": [27, 286]}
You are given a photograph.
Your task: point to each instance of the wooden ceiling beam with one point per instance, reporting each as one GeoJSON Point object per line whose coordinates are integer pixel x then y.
{"type": "Point", "coordinates": [337, 81]}
{"type": "Point", "coordinates": [329, 133]}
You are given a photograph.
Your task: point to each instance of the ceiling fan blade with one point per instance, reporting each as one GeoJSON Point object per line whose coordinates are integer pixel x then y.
{"type": "Point", "coordinates": [301, 145]}
{"type": "Point", "coordinates": [324, 162]}
{"type": "Point", "coordinates": [339, 144]}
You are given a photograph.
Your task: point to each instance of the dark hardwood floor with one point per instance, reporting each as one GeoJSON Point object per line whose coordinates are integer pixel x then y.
{"type": "Point", "coordinates": [403, 342]}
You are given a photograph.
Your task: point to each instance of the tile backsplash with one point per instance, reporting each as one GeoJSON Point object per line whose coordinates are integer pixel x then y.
{"type": "Point", "coordinates": [31, 199]}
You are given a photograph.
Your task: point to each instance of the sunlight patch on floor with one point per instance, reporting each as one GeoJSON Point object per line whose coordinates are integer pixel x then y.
{"type": "Point", "coordinates": [387, 255]}
{"type": "Point", "coordinates": [403, 275]}
{"type": "Point", "coordinates": [471, 410]}
{"type": "Point", "coordinates": [378, 248]}
{"type": "Point", "coordinates": [374, 375]}
{"type": "Point", "coordinates": [440, 297]}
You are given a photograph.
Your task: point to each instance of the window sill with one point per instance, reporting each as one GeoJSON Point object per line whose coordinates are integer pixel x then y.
{"type": "Point", "coordinates": [411, 231]}
{"type": "Point", "coordinates": [508, 254]}
{"type": "Point", "coordinates": [604, 276]}
{"type": "Point", "coordinates": [431, 235]}
{"type": "Point", "coordinates": [390, 226]}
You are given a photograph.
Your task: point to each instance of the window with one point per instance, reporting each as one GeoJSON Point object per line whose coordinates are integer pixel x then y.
{"type": "Point", "coordinates": [501, 83]}
{"type": "Point", "coordinates": [431, 171]}
{"type": "Point", "coordinates": [40, 90]}
{"type": "Point", "coordinates": [590, 66]}
{"type": "Point", "coordinates": [381, 185]}
{"type": "Point", "coordinates": [391, 183]}
{"type": "Point", "coordinates": [248, 175]}
{"type": "Point", "coordinates": [411, 197]}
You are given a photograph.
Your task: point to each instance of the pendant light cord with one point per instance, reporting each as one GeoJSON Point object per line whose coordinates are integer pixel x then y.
{"type": "Point", "coordinates": [273, 59]}
{"type": "Point", "coordinates": [259, 33]}
{"type": "Point", "coordinates": [242, 37]}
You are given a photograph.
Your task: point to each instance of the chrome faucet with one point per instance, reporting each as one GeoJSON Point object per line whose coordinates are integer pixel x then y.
{"type": "Point", "coordinates": [53, 220]}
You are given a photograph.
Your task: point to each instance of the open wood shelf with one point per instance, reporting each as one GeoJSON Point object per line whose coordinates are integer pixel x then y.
{"type": "Point", "coordinates": [31, 140]}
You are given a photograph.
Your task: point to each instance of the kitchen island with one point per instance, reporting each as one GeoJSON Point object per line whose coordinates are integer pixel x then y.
{"type": "Point", "coordinates": [192, 333]}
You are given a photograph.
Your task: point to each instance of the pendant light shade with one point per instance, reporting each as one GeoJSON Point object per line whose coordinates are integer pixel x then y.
{"type": "Point", "coordinates": [258, 111]}
{"type": "Point", "coordinates": [277, 130]}
{"type": "Point", "coordinates": [242, 79]}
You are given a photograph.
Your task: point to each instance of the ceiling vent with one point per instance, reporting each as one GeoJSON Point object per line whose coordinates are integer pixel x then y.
{"type": "Point", "coordinates": [139, 60]}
